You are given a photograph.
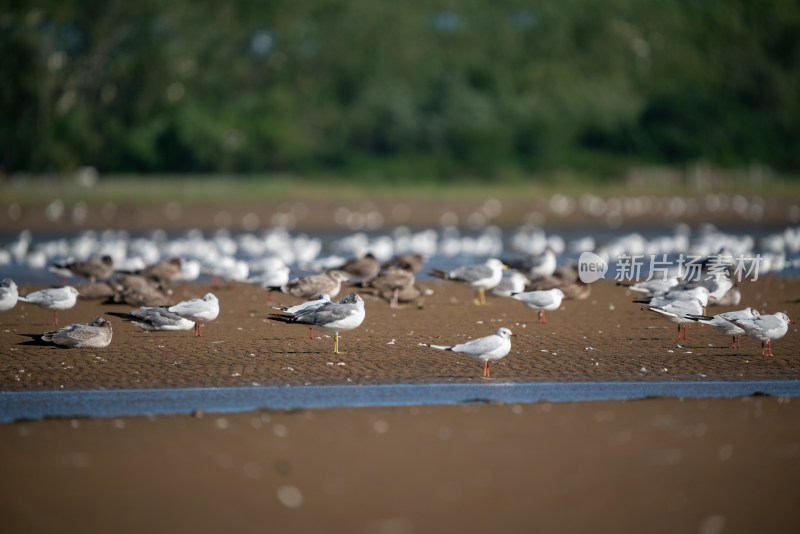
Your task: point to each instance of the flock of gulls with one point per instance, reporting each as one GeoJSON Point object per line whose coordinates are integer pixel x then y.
{"type": "Point", "coordinates": [141, 272]}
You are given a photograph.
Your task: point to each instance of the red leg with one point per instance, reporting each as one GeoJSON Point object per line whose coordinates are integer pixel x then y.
{"type": "Point", "coordinates": [738, 342]}
{"type": "Point", "coordinates": [55, 317]}
{"type": "Point", "coordinates": [734, 343]}
{"type": "Point", "coordinates": [769, 348]}
{"type": "Point", "coordinates": [762, 348]}
{"type": "Point", "coordinates": [486, 369]}
{"type": "Point", "coordinates": [310, 333]}
{"type": "Point", "coordinates": [541, 317]}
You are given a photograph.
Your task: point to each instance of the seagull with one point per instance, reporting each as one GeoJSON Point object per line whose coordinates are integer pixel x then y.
{"type": "Point", "coordinates": [165, 271]}
{"type": "Point", "coordinates": [95, 268]}
{"type": "Point", "coordinates": [679, 312]}
{"type": "Point", "coordinates": [198, 310]}
{"type": "Point", "coordinates": [307, 305]}
{"type": "Point", "coordinates": [722, 323]}
{"type": "Point", "coordinates": [487, 348]}
{"type": "Point", "coordinates": [96, 334]}
{"type": "Point", "coordinates": [656, 286]}
{"type": "Point", "coordinates": [58, 298]}
{"type": "Point", "coordinates": [8, 294]}
{"type": "Point", "coordinates": [409, 262]}
{"type": "Point", "coordinates": [765, 328]}
{"type": "Point", "coordinates": [344, 315]}
{"type": "Point", "coordinates": [699, 293]}
{"type": "Point", "coordinates": [484, 276]}
{"type": "Point", "coordinates": [312, 286]}
{"type": "Point", "coordinates": [512, 282]}
{"type": "Point", "coordinates": [541, 300]}
{"type": "Point", "coordinates": [536, 266]}
{"type": "Point", "coordinates": [362, 268]}
{"type": "Point", "coordinates": [392, 281]}
{"type": "Point", "coordinates": [156, 318]}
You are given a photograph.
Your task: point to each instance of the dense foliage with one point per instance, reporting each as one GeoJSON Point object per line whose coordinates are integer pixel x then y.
{"type": "Point", "coordinates": [415, 88]}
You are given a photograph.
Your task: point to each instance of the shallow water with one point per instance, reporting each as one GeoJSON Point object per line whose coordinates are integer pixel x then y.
{"type": "Point", "coordinates": [16, 406]}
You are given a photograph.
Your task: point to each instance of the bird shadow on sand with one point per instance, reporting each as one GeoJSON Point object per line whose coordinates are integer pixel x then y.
{"type": "Point", "coordinates": [34, 341]}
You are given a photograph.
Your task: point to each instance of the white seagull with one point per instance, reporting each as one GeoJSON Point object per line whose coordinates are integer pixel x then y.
{"type": "Point", "coordinates": [96, 334]}
{"type": "Point", "coordinates": [548, 300]}
{"type": "Point", "coordinates": [8, 294]}
{"type": "Point", "coordinates": [55, 299]}
{"type": "Point", "coordinates": [487, 348]}
{"type": "Point", "coordinates": [341, 316]}
{"type": "Point", "coordinates": [765, 328]}
{"type": "Point", "coordinates": [197, 310]}
{"type": "Point", "coordinates": [722, 323]}
{"type": "Point", "coordinates": [481, 277]}
{"type": "Point", "coordinates": [679, 312]}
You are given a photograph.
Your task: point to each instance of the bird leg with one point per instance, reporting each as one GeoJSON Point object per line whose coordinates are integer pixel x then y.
{"type": "Point", "coordinates": [544, 321]}
{"type": "Point", "coordinates": [486, 369]}
{"type": "Point", "coordinates": [336, 343]}
{"type": "Point", "coordinates": [684, 338]}
{"type": "Point", "coordinates": [481, 297]}
{"type": "Point", "coordinates": [762, 349]}
{"type": "Point", "coordinates": [734, 343]}
{"type": "Point", "coordinates": [197, 329]}
{"type": "Point", "coordinates": [55, 317]}
{"type": "Point", "coordinates": [395, 302]}
{"type": "Point", "coordinates": [738, 342]}
{"type": "Point", "coordinates": [769, 349]}
{"type": "Point", "coordinates": [310, 333]}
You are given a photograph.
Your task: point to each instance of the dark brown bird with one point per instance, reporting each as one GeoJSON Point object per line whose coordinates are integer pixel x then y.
{"type": "Point", "coordinates": [95, 268]}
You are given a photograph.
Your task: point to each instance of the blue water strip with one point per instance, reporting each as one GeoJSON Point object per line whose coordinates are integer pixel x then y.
{"type": "Point", "coordinates": [32, 405]}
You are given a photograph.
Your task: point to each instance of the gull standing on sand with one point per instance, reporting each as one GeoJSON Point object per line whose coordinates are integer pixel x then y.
{"type": "Point", "coordinates": [679, 312]}
{"type": "Point", "coordinates": [494, 347]}
{"type": "Point", "coordinates": [341, 316]}
{"type": "Point", "coordinates": [308, 305]}
{"type": "Point", "coordinates": [95, 335]}
{"type": "Point", "coordinates": [722, 323]}
{"type": "Point", "coordinates": [765, 328]}
{"type": "Point", "coordinates": [55, 299]}
{"type": "Point", "coordinates": [198, 310]}
{"type": "Point", "coordinates": [541, 300]}
{"type": "Point", "coordinates": [157, 318]}
{"type": "Point", "coordinates": [481, 277]}
{"type": "Point", "coordinates": [312, 286]}
{"type": "Point", "coordinates": [8, 294]}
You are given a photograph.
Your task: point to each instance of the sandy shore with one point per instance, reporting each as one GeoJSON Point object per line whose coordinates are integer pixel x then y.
{"type": "Point", "coordinates": [657, 465]}
{"type": "Point", "coordinates": [604, 337]}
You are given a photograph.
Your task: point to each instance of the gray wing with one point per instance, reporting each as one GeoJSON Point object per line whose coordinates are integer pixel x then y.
{"type": "Point", "coordinates": [479, 346]}
{"type": "Point", "coordinates": [536, 298]}
{"type": "Point", "coordinates": [326, 314]}
{"type": "Point", "coordinates": [471, 273]}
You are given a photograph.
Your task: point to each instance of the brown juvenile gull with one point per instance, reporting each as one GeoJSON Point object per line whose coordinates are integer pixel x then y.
{"type": "Point", "coordinates": [361, 268]}
{"type": "Point", "coordinates": [96, 334]}
{"type": "Point", "coordinates": [312, 286]}
{"type": "Point", "coordinates": [392, 281]}
{"type": "Point", "coordinates": [95, 268]}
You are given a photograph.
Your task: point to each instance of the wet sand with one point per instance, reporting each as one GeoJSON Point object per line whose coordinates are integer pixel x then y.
{"type": "Point", "coordinates": [655, 465]}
